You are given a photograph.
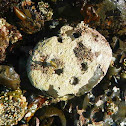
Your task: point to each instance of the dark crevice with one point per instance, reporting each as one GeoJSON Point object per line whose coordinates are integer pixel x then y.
{"type": "Point", "coordinates": [98, 116]}
{"type": "Point", "coordinates": [76, 35]}
{"type": "Point", "coordinates": [84, 66]}
{"type": "Point", "coordinates": [58, 71]}
{"type": "Point", "coordinates": [60, 40]}
{"type": "Point", "coordinates": [75, 81]}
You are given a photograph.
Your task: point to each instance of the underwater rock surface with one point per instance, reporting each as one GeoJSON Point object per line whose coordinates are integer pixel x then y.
{"type": "Point", "coordinates": [70, 64]}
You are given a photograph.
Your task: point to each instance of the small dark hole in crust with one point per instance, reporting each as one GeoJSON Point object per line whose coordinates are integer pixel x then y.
{"type": "Point", "coordinates": [75, 81]}
{"type": "Point", "coordinates": [76, 35]}
{"type": "Point", "coordinates": [84, 66]}
{"type": "Point", "coordinates": [60, 40]}
{"type": "Point", "coordinates": [58, 71]}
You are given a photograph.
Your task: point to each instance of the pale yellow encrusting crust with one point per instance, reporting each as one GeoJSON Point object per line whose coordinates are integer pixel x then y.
{"type": "Point", "coordinates": [81, 52]}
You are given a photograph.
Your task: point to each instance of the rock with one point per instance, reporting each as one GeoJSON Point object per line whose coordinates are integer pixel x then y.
{"type": "Point", "coordinates": [8, 33]}
{"type": "Point", "coordinates": [71, 64]}
{"type": "Point", "coordinates": [12, 107]}
{"type": "Point", "coordinates": [8, 77]}
{"type": "Point", "coordinates": [31, 17]}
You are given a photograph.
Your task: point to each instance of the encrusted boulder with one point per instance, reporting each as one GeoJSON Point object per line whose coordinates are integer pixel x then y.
{"type": "Point", "coordinates": [70, 64]}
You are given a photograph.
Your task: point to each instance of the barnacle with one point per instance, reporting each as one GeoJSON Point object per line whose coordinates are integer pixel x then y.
{"type": "Point", "coordinates": [12, 107]}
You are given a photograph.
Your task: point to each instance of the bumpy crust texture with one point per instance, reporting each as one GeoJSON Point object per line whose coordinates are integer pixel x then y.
{"type": "Point", "coordinates": [70, 64]}
{"type": "Point", "coordinates": [12, 108]}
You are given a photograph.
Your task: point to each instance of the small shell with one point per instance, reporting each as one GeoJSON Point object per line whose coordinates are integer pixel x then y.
{"type": "Point", "coordinates": [19, 14]}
